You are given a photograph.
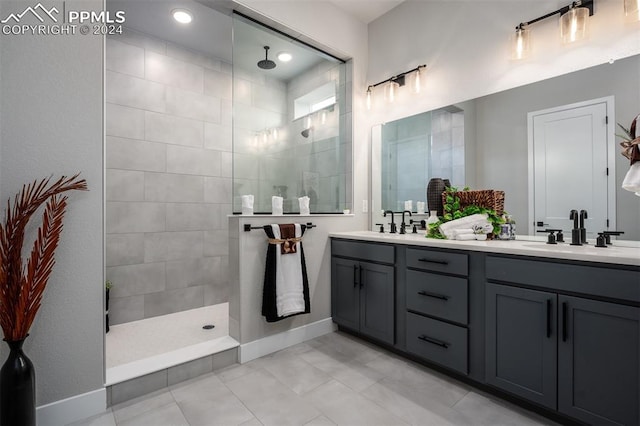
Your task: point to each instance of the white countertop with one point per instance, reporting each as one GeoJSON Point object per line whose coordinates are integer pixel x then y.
{"type": "Point", "coordinates": [620, 253]}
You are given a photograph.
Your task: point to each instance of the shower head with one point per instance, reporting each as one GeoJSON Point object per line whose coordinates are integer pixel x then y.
{"type": "Point", "coordinates": [305, 132]}
{"type": "Point", "coordinates": [266, 63]}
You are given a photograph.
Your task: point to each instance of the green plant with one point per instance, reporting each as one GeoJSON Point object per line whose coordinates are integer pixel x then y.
{"type": "Point", "coordinates": [108, 284]}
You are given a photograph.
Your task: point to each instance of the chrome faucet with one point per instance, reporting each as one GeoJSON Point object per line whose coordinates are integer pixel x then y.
{"type": "Point", "coordinates": [393, 223]}
{"type": "Point", "coordinates": [403, 225]}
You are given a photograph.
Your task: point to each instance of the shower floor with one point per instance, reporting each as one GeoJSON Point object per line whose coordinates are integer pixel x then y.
{"type": "Point", "coordinates": [141, 347]}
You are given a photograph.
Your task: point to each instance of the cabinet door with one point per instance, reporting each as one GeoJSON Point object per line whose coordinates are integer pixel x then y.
{"type": "Point", "coordinates": [599, 361]}
{"type": "Point", "coordinates": [345, 293]}
{"type": "Point", "coordinates": [521, 342]}
{"type": "Point", "coordinates": [377, 301]}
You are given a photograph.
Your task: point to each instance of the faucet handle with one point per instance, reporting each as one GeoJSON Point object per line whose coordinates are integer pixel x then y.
{"type": "Point", "coordinates": [381, 225]}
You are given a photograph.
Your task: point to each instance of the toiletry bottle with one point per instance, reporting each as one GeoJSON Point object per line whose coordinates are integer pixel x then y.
{"type": "Point", "coordinates": [512, 227]}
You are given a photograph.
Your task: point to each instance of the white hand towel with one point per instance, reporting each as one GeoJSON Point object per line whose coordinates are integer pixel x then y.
{"type": "Point", "coordinates": [460, 232]}
{"type": "Point", "coordinates": [467, 222]}
{"type": "Point", "coordinates": [276, 205]}
{"type": "Point", "coordinates": [420, 207]}
{"type": "Point", "coordinates": [304, 205]}
{"type": "Point", "coordinates": [289, 286]}
{"type": "Point", "coordinates": [247, 204]}
{"type": "Point", "coordinates": [466, 237]}
{"type": "Point", "coordinates": [631, 180]}
{"type": "Point", "coordinates": [408, 205]}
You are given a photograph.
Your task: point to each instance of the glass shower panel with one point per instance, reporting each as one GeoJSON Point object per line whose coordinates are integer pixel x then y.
{"type": "Point", "coordinates": [289, 123]}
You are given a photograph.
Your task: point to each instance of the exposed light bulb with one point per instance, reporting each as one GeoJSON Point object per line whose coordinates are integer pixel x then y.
{"type": "Point", "coordinates": [416, 86]}
{"type": "Point", "coordinates": [632, 9]}
{"type": "Point", "coordinates": [274, 134]}
{"type": "Point", "coordinates": [573, 24]}
{"type": "Point", "coordinates": [323, 116]}
{"type": "Point", "coordinates": [520, 43]}
{"type": "Point", "coordinates": [390, 91]}
{"type": "Point", "coordinates": [182, 15]}
{"type": "Point", "coordinates": [369, 97]}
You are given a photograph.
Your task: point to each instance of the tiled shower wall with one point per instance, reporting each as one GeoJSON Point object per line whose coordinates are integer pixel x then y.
{"type": "Point", "coordinates": [168, 177]}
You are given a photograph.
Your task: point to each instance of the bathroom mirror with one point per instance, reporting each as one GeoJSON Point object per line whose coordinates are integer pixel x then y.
{"type": "Point", "coordinates": [496, 141]}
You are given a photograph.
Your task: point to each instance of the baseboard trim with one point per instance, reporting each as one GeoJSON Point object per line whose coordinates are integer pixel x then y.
{"type": "Point", "coordinates": [73, 409]}
{"type": "Point", "coordinates": [270, 344]}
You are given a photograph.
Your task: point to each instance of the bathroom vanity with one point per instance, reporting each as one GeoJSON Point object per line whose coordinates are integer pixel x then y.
{"type": "Point", "coordinates": [553, 325]}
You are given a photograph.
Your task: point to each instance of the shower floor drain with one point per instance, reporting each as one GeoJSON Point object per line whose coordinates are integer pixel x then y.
{"type": "Point", "coordinates": [208, 326]}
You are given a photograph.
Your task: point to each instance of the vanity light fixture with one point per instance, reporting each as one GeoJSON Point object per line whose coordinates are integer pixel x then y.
{"type": "Point", "coordinates": [393, 84]}
{"type": "Point", "coordinates": [573, 26]}
{"type": "Point", "coordinates": [182, 15]}
{"type": "Point", "coordinates": [632, 9]}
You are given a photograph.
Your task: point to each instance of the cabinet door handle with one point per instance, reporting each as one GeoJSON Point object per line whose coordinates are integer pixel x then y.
{"type": "Point", "coordinates": [434, 295]}
{"type": "Point", "coordinates": [434, 341]}
{"type": "Point", "coordinates": [355, 269]}
{"type": "Point", "coordinates": [438, 261]}
{"type": "Point", "coordinates": [548, 318]}
{"type": "Point", "coordinates": [361, 283]}
{"type": "Point", "coordinates": [564, 321]}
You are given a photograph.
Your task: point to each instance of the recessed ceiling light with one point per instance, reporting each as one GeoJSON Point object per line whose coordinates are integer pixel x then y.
{"type": "Point", "coordinates": [284, 56]}
{"type": "Point", "coordinates": [182, 15]}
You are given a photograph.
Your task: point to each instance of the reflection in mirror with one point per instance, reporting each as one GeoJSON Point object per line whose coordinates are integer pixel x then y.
{"type": "Point", "coordinates": [290, 131]}
{"type": "Point", "coordinates": [496, 141]}
{"type": "Point", "coordinates": [430, 144]}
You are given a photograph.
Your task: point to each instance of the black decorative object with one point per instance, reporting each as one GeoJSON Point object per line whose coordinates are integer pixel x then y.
{"type": "Point", "coordinates": [435, 188]}
{"type": "Point", "coordinates": [107, 310]}
{"type": "Point", "coordinates": [17, 388]}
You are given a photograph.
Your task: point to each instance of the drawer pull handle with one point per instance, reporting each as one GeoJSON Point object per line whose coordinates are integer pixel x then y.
{"type": "Point", "coordinates": [565, 319]}
{"type": "Point", "coordinates": [434, 341]}
{"type": "Point", "coordinates": [434, 295]}
{"type": "Point", "coordinates": [548, 318]}
{"type": "Point", "coordinates": [355, 270]}
{"type": "Point", "coordinates": [438, 261]}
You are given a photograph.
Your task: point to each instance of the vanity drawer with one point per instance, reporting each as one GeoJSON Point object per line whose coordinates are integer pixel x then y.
{"type": "Point", "coordinates": [437, 341]}
{"type": "Point", "coordinates": [372, 252]}
{"type": "Point", "coordinates": [438, 261]}
{"type": "Point", "coordinates": [436, 295]}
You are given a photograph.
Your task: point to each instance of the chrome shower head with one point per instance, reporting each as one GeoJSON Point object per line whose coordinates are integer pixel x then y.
{"type": "Point", "coordinates": [266, 63]}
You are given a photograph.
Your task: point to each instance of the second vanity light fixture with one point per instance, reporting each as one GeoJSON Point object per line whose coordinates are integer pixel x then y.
{"type": "Point", "coordinates": [573, 26]}
{"type": "Point", "coordinates": [412, 78]}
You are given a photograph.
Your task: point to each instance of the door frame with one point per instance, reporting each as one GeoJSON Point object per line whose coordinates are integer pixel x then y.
{"type": "Point", "coordinates": [611, 155]}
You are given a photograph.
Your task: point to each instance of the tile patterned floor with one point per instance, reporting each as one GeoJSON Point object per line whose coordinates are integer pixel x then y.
{"type": "Point", "coordinates": [335, 379]}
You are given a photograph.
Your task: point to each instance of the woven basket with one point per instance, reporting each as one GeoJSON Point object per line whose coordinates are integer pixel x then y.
{"type": "Point", "coordinates": [487, 198]}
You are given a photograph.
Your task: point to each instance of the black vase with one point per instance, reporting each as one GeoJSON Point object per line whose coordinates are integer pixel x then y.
{"type": "Point", "coordinates": [17, 388]}
{"type": "Point", "coordinates": [435, 188]}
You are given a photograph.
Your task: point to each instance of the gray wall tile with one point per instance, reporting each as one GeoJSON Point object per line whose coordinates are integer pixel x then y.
{"type": "Point", "coordinates": [216, 243]}
{"type": "Point", "coordinates": [225, 359]}
{"type": "Point", "coordinates": [139, 386]}
{"type": "Point", "coordinates": [186, 55]}
{"type": "Point", "coordinates": [188, 272]}
{"type": "Point", "coordinates": [217, 136]}
{"type": "Point", "coordinates": [124, 122]}
{"type": "Point", "coordinates": [139, 39]}
{"type": "Point", "coordinates": [226, 164]}
{"type": "Point", "coordinates": [124, 249]}
{"type": "Point", "coordinates": [172, 301]}
{"type": "Point", "coordinates": [173, 188]}
{"type": "Point", "coordinates": [217, 84]}
{"type": "Point", "coordinates": [131, 154]}
{"type": "Point", "coordinates": [171, 129]}
{"type": "Point", "coordinates": [217, 190]}
{"type": "Point", "coordinates": [196, 106]}
{"type": "Point", "coordinates": [124, 185]}
{"type": "Point", "coordinates": [123, 89]}
{"type": "Point", "coordinates": [174, 72]}
{"type": "Point", "coordinates": [193, 161]}
{"type": "Point", "coordinates": [128, 217]}
{"type": "Point", "coordinates": [125, 309]}
{"type": "Point", "coordinates": [165, 246]}
{"type": "Point", "coordinates": [124, 58]}
{"type": "Point", "coordinates": [192, 217]}
{"type": "Point", "coordinates": [134, 280]}
{"type": "Point", "coordinates": [189, 370]}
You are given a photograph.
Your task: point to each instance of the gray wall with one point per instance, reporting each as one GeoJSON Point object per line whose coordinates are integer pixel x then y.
{"type": "Point", "coordinates": [51, 109]}
{"type": "Point", "coordinates": [501, 151]}
{"type": "Point", "coordinates": [168, 179]}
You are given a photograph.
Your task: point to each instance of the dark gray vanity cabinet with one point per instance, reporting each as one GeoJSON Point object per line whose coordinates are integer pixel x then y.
{"type": "Point", "coordinates": [437, 307]}
{"type": "Point", "coordinates": [363, 288]}
{"type": "Point", "coordinates": [577, 355]}
{"type": "Point", "coordinates": [521, 342]}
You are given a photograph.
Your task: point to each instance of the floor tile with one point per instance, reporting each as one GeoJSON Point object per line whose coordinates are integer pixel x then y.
{"type": "Point", "coordinates": [103, 419]}
{"type": "Point", "coordinates": [295, 372]}
{"type": "Point", "coordinates": [234, 371]}
{"type": "Point", "coordinates": [487, 411]}
{"type": "Point", "coordinates": [352, 374]}
{"type": "Point", "coordinates": [271, 401]}
{"type": "Point", "coordinates": [141, 405]}
{"type": "Point", "coordinates": [320, 421]}
{"type": "Point", "coordinates": [343, 406]}
{"type": "Point", "coordinates": [169, 415]}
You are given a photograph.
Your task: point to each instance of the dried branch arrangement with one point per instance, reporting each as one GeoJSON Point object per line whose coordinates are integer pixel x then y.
{"type": "Point", "coordinates": [21, 287]}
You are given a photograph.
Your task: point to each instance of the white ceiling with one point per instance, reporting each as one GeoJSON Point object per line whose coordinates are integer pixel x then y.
{"type": "Point", "coordinates": [366, 10]}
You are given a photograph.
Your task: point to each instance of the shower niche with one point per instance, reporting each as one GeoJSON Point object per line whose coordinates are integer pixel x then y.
{"type": "Point", "coordinates": [291, 122]}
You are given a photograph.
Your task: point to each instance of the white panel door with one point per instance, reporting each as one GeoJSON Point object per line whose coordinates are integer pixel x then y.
{"type": "Point", "coordinates": [570, 167]}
